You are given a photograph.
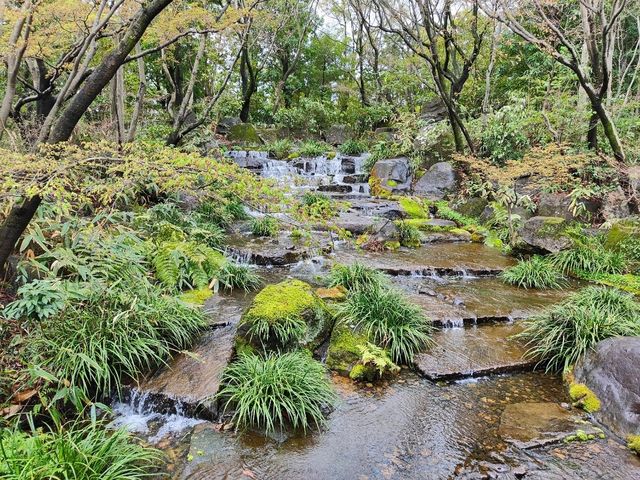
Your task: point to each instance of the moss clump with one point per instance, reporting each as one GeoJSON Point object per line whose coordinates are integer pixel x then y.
{"type": "Point", "coordinates": [554, 227]}
{"type": "Point", "coordinates": [345, 346]}
{"type": "Point", "coordinates": [413, 208]}
{"type": "Point", "coordinates": [583, 397]}
{"type": "Point", "coordinates": [376, 188]}
{"type": "Point", "coordinates": [633, 443]}
{"type": "Point", "coordinates": [580, 436]}
{"type": "Point", "coordinates": [363, 373]}
{"type": "Point", "coordinates": [244, 133]}
{"type": "Point", "coordinates": [197, 296]}
{"type": "Point", "coordinates": [627, 282]}
{"type": "Point", "coordinates": [284, 314]}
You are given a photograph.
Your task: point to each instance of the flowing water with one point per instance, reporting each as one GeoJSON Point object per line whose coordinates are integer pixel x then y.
{"type": "Point", "coordinates": [443, 419]}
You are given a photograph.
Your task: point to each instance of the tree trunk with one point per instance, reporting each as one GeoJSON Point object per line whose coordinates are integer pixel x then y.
{"type": "Point", "coordinates": [15, 224]}
{"type": "Point", "coordinates": [592, 133]}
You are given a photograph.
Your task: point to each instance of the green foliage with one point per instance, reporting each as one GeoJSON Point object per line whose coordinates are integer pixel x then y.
{"type": "Point", "coordinates": [281, 148]}
{"type": "Point", "coordinates": [504, 137]}
{"type": "Point", "coordinates": [265, 226]}
{"type": "Point", "coordinates": [448, 213]}
{"type": "Point", "coordinates": [42, 299]}
{"type": "Point", "coordinates": [112, 335]}
{"type": "Point", "coordinates": [633, 443]}
{"type": "Point", "coordinates": [353, 147]}
{"type": "Point", "coordinates": [377, 357]}
{"type": "Point", "coordinates": [562, 334]}
{"type": "Point", "coordinates": [312, 148]}
{"type": "Point", "coordinates": [380, 151]}
{"type": "Point", "coordinates": [185, 264]}
{"type": "Point", "coordinates": [275, 390]}
{"type": "Point", "coordinates": [75, 452]}
{"type": "Point", "coordinates": [196, 297]}
{"type": "Point", "coordinates": [355, 277]}
{"type": "Point", "coordinates": [408, 234]}
{"type": "Point", "coordinates": [390, 320]}
{"type": "Point", "coordinates": [308, 115]}
{"type": "Point", "coordinates": [317, 206]}
{"type": "Point", "coordinates": [413, 207]}
{"type": "Point", "coordinates": [589, 255]}
{"type": "Point", "coordinates": [233, 275]}
{"type": "Point", "coordinates": [537, 272]}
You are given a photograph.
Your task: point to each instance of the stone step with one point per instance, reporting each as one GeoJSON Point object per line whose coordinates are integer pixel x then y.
{"type": "Point", "coordinates": [276, 251]}
{"type": "Point", "coordinates": [442, 259]}
{"type": "Point", "coordinates": [474, 352]}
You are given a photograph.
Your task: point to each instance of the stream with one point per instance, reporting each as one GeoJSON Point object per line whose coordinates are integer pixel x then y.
{"type": "Point", "coordinates": [451, 416]}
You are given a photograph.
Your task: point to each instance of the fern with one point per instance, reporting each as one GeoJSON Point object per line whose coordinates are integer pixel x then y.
{"type": "Point", "coordinates": [186, 264]}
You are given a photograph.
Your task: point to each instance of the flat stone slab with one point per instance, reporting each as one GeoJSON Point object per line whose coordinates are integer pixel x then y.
{"type": "Point", "coordinates": [440, 259]}
{"type": "Point", "coordinates": [473, 352]}
{"type": "Point", "coordinates": [275, 251]}
{"type": "Point", "coordinates": [442, 313]}
{"type": "Point", "coordinates": [530, 425]}
{"type": "Point", "coordinates": [193, 378]}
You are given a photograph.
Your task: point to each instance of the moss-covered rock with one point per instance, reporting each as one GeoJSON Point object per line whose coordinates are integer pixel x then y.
{"type": "Point", "coordinates": [633, 443]}
{"type": "Point", "coordinates": [472, 207]}
{"type": "Point", "coordinates": [545, 235]}
{"type": "Point", "coordinates": [584, 398]}
{"type": "Point", "coordinates": [286, 315]}
{"type": "Point", "coordinates": [344, 348]}
{"type": "Point", "coordinates": [335, 293]}
{"type": "Point", "coordinates": [622, 231]}
{"type": "Point", "coordinates": [244, 134]}
{"type": "Point", "coordinates": [413, 208]}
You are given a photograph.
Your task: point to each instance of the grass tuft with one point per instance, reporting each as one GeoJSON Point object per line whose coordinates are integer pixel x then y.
{"type": "Point", "coordinates": [235, 275]}
{"type": "Point", "coordinates": [537, 272]}
{"type": "Point", "coordinates": [265, 227]}
{"type": "Point", "coordinates": [276, 390]}
{"type": "Point", "coordinates": [355, 277]}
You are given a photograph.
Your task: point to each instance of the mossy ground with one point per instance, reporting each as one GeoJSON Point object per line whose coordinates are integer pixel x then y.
{"type": "Point", "coordinates": [344, 348]}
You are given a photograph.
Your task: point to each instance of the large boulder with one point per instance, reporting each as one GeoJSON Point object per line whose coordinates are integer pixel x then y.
{"type": "Point", "coordinates": [244, 134]}
{"type": "Point", "coordinates": [634, 178]}
{"type": "Point", "coordinates": [559, 205]}
{"type": "Point", "coordinates": [439, 180]}
{"type": "Point", "coordinates": [472, 207]}
{"type": "Point", "coordinates": [392, 174]}
{"type": "Point", "coordinates": [545, 234]}
{"type": "Point", "coordinates": [615, 205]}
{"type": "Point", "coordinates": [611, 372]}
{"type": "Point", "coordinates": [338, 134]}
{"type": "Point", "coordinates": [225, 124]}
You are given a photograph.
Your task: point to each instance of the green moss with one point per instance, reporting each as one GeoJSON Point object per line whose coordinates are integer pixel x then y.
{"type": "Point", "coordinates": [580, 436]}
{"type": "Point", "coordinates": [361, 372]}
{"type": "Point", "coordinates": [413, 208]}
{"type": "Point", "coordinates": [290, 298]}
{"type": "Point", "coordinates": [584, 398]}
{"type": "Point", "coordinates": [554, 227]}
{"type": "Point", "coordinates": [627, 282]}
{"type": "Point", "coordinates": [344, 349]}
{"type": "Point", "coordinates": [197, 296]}
{"type": "Point", "coordinates": [633, 443]}
{"type": "Point", "coordinates": [244, 133]}
{"type": "Point", "coordinates": [392, 245]}
{"type": "Point", "coordinates": [621, 232]}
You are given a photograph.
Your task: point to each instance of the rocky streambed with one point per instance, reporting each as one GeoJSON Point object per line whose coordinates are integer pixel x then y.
{"type": "Point", "coordinates": [470, 407]}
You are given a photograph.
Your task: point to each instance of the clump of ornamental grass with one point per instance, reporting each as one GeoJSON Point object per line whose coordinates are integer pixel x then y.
{"type": "Point", "coordinates": [355, 277]}
{"type": "Point", "coordinates": [277, 390]}
{"type": "Point", "coordinates": [389, 320]}
{"type": "Point", "coordinates": [408, 234]}
{"type": "Point", "coordinates": [589, 256]}
{"type": "Point", "coordinates": [265, 227]}
{"type": "Point", "coordinates": [353, 147]}
{"type": "Point", "coordinates": [78, 452]}
{"type": "Point", "coordinates": [97, 343]}
{"type": "Point", "coordinates": [239, 276]}
{"type": "Point", "coordinates": [537, 272]}
{"type": "Point", "coordinates": [564, 333]}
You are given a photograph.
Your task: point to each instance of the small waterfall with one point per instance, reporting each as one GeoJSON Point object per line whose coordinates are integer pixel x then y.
{"type": "Point", "coordinates": [141, 415]}
{"type": "Point", "coordinates": [278, 169]}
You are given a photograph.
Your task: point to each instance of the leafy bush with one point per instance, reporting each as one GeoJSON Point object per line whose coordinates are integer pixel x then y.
{"type": "Point", "coordinates": [280, 149]}
{"type": "Point", "coordinates": [562, 334]}
{"type": "Point", "coordinates": [308, 115]}
{"type": "Point", "coordinates": [265, 226]}
{"type": "Point", "coordinates": [504, 137]}
{"type": "Point", "coordinates": [390, 320]}
{"type": "Point", "coordinates": [112, 335]}
{"type": "Point", "coordinates": [88, 452]}
{"type": "Point", "coordinates": [537, 272]}
{"type": "Point", "coordinates": [355, 277]}
{"type": "Point", "coordinates": [312, 148]}
{"type": "Point", "coordinates": [380, 151]}
{"type": "Point", "coordinates": [233, 275]}
{"type": "Point", "coordinates": [185, 264]}
{"type": "Point", "coordinates": [353, 147]}
{"type": "Point", "coordinates": [408, 234]}
{"type": "Point", "coordinates": [317, 206]}
{"type": "Point", "coordinates": [269, 392]}
{"type": "Point", "coordinates": [41, 299]}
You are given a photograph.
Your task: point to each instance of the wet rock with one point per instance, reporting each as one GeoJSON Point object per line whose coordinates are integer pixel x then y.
{"type": "Point", "coordinates": [193, 379]}
{"type": "Point", "coordinates": [437, 182]}
{"type": "Point", "coordinates": [386, 134]}
{"type": "Point", "coordinates": [530, 425]}
{"type": "Point", "coordinates": [453, 235]}
{"type": "Point", "coordinates": [354, 179]}
{"type": "Point", "coordinates": [393, 173]}
{"type": "Point", "coordinates": [554, 205]}
{"type": "Point", "coordinates": [244, 134]}
{"type": "Point", "coordinates": [611, 371]}
{"type": "Point", "coordinates": [343, 353]}
{"type": "Point", "coordinates": [615, 205]}
{"type": "Point", "coordinates": [287, 301]}
{"type": "Point", "coordinates": [472, 207]}
{"type": "Point", "coordinates": [439, 222]}
{"type": "Point", "coordinates": [335, 187]}
{"type": "Point", "coordinates": [338, 134]}
{"type": "Point", "coordinates": [442, 312]}
{"type": "Point", "coordinates": [274, 251]}
{"type": "Point", "coordinates": [473, 352]}
{"type": "Point", "coordinates": [545, 234]}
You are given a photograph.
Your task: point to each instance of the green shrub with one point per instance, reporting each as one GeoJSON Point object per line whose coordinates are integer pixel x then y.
{"type": "Point", "coordinates": [408, 234]}
{"type": "Point", "coordinates": [41, 299]}
{"type": "Point", "coordinates": [537, 272]}
{"type": "Point", "coordinates": [112, 335]}
{"type": "Point", "coordinates": [317, 206]}
{"type": "Point", "coordinates": [312, 148]}
{"type": "Point", "coordinates": [562, 334]}
{"type": "Point", "coordinates": [353, 147]}
{"type": "Point", "coordinates": [265, 226]}
{"type": "Point", "coordinates": [504, 137]}
{"type": "Point", "coordinates": [355, 277]}
{"type": "Point", "coordinates": [390, 320]}
{"type": "Point", "coordinates": [233, 275]}
{"type": "Point", "coordinates": [280, 149]}
{"type": "Point", "coordinates": [272, 391]}
{"type": "Point", "coordinates": [88, 452]}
